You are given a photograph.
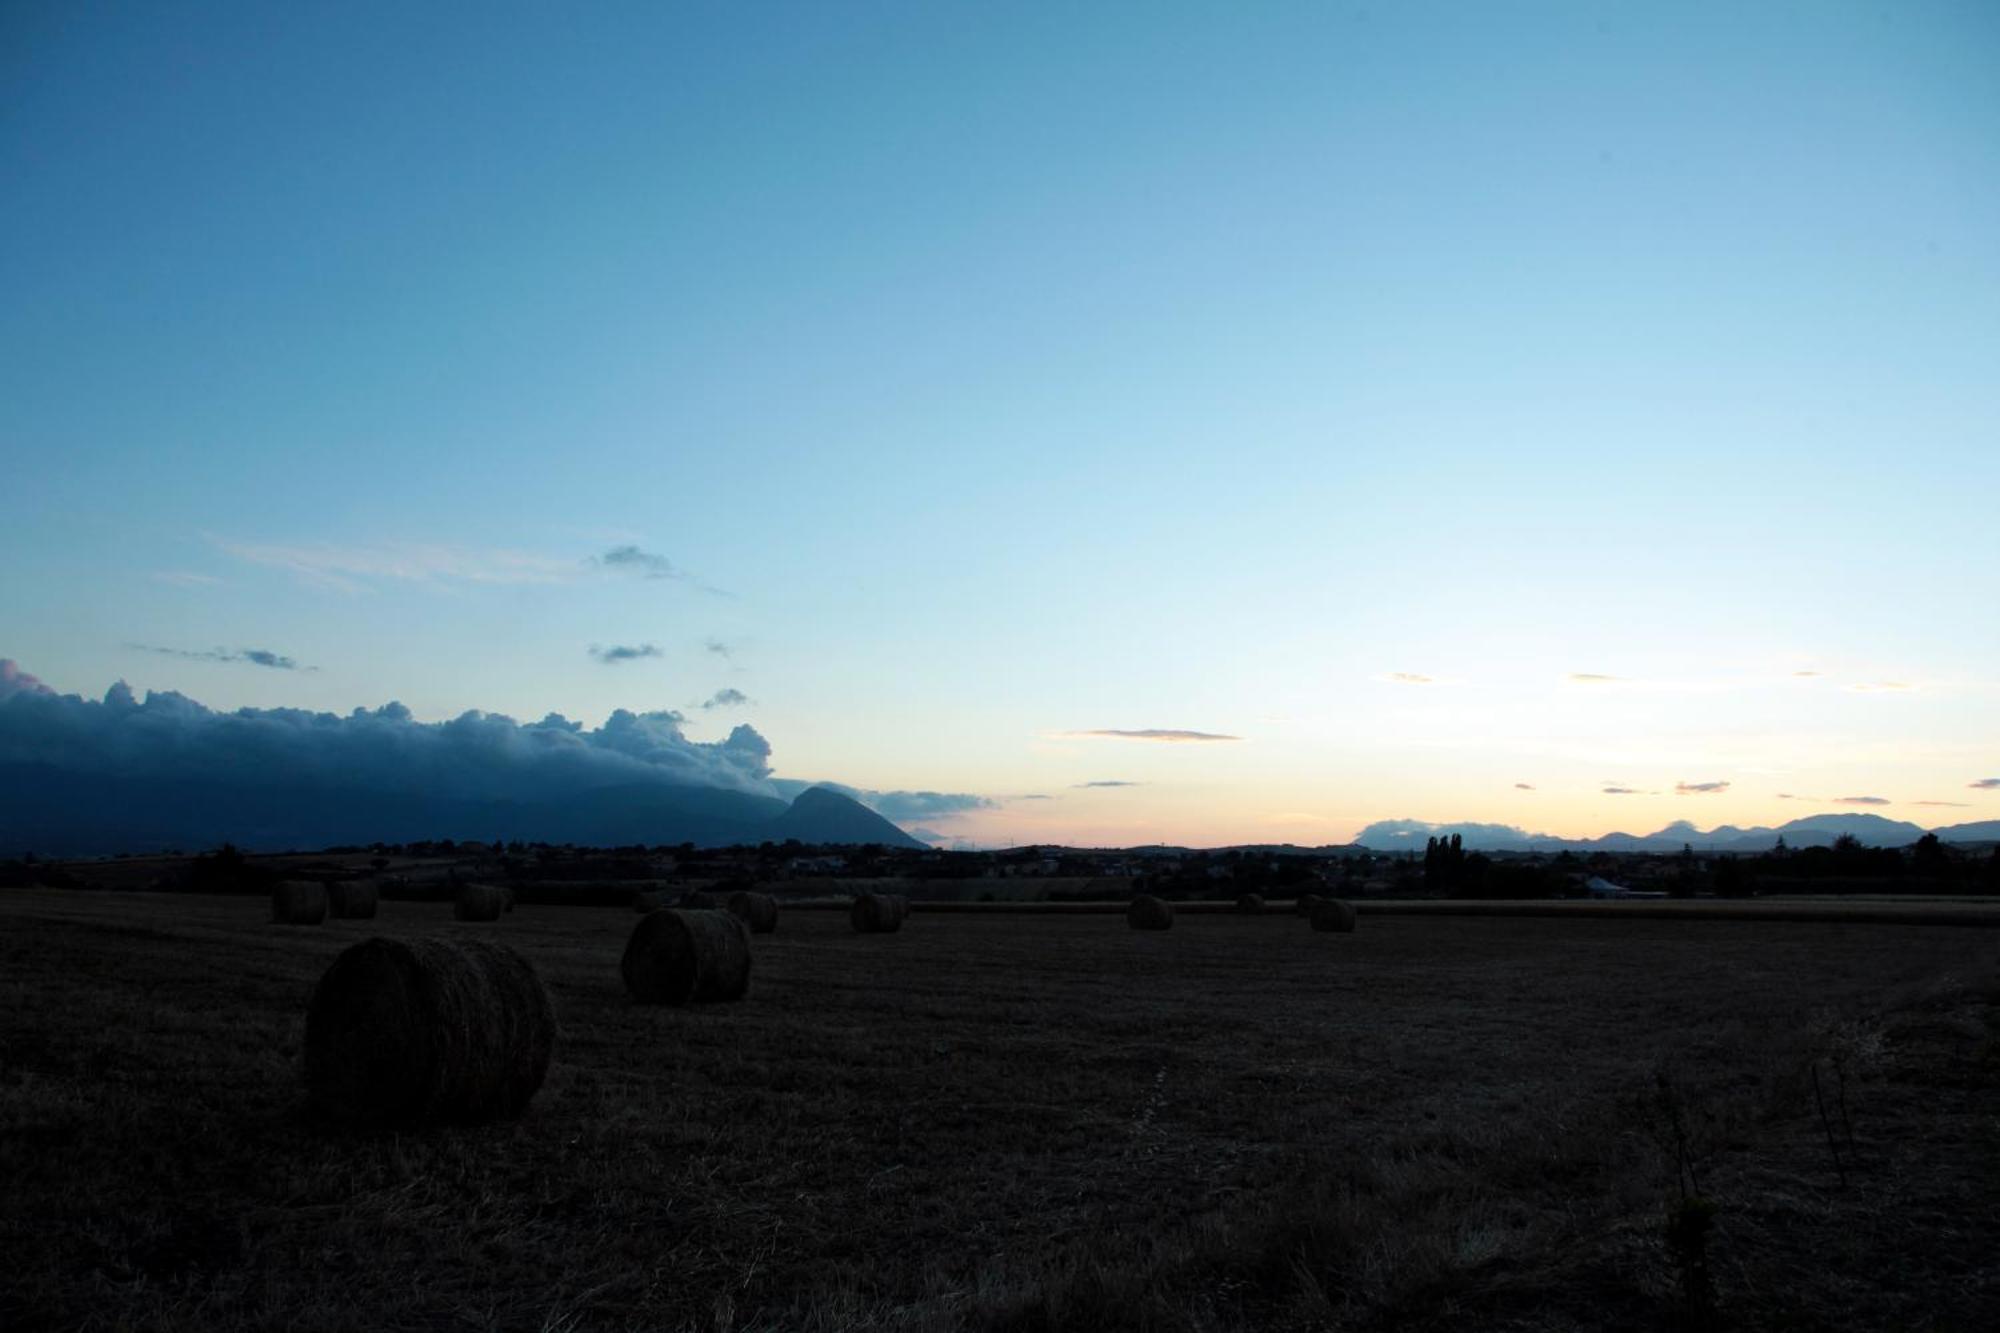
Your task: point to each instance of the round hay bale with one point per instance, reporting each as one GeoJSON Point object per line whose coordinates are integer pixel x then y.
{"type": "Point", "coordinates": [507, 899]}
{"type": "Point", "coordinates": [697, 900]}
{"type": "Point", "coordinates": [648, 900]}
{"type": "Point", "coordinates": [1250, 904]}
{"type": "Point", "coordinates": [759, 911]}
{"type": "Point", "coordinates": [1306, 903]}
{"type": "Point", "coordinates": [352, 899]}
{"type": "Point", "coordinates": [1150, 913]}
{"type": "Point", "coordinates": [1333, 914]}
{"type": "Point", "coordinates": [426, 1032]}
{"type": "Point", "coordinates": [479, 902]}
{"type": "Point", "coordinates": [298, 902]}
{"type": "Point", "coordinates": [879, 913]}
{"type": "Point", "coordinates": [676, 955]}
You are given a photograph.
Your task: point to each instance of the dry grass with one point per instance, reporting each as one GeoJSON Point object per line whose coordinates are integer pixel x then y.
{"type": "Point", "coordinates": [1019, 1122]}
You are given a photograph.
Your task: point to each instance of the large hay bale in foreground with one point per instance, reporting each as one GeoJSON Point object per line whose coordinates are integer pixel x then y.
{"type": "Point", "coordinates": [1150, 913]}
{"type": "Point", "coordinates": [352, 899]}
{"type": "Point", "coordinates": [759, 911]}
{"type": "Point", "coordinates": [479, 902]}
{"type": "Point", "coordinates": [426, 1032]}
{"type": "Point", "coordinates": [1333, 914]}
{"type": "Point", "coordinates": [1306, 903]}
{"type": "Point", "coordinates": [298, 902]}
{"type": "Point", "coordinates": [1250, 904]}
{"type": "Point", "coordinates": [676, 955]}
{"type": "Point", "coordinates": [879, 913]}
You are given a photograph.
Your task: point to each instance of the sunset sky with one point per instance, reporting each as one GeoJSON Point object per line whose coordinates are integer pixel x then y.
{"type": "Point", "coordinates": [1571, 416]}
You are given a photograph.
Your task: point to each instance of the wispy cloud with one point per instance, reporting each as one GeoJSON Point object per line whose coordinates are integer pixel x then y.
{"type": "Point", "coordinates": [635, 560]}
{"type": "Point", "coordinates": [720, 649]}
{"type": "Point", "coordinates": [1411, 678]}
{"type": "Point", "coordinates": [1699, 788]}
{"type": "Point", "coordinates": [1524, 786]}
{"type": "Point", "coordinates": [352, 568]}
{"type": "Point", "coordinates": [1623, 791]}
{"type": "Point", "coordinates": [1169, 734]}
{"type": "Point", "coordinates": [1805, 675]}
{"type": "Point", "coordinates": [1109, 782]}
{"type": "Point", "coordinates": [262, 657]}
{"type": "Point", "coordinates": [1960, 805]}
{"type": "Point", "coordinates": [1035, 796]}
{"type": "Point", "coordinates": [183, 578]}
{"type": "Point", "coordinates": [1985, 784]}
{"type": "Point", "coordinates": [612, 654]}
{"type": "Point", "coordinates": [1883, 687]}
{"type": "Point", "coordinates": [725, 698]}
{"type": "Point", "coordinates": [1862, 800]}
{"type": "Point", "coordinates": [1593, 678]}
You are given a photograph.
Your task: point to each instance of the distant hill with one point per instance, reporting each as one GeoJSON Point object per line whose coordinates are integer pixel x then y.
{"type": "Point", "coordinates": [1808, 831]}
{"type": "Point", "coordinates": [52, 812]}
{"type": "Point", "coordinates": [1986, 830]}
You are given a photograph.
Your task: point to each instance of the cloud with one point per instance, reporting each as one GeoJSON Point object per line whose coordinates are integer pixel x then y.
{"type": "Point", "coordinates": [1805, 675]}
{"type": "Point", "coordinates": [1593, 678]}
{"type": "Point", "coordinates": [720, 649]}
{"type": "Point", "coordinates": [1035, 796]}
{"type": "Point", "coordinates": [623, 652]}
{"type": "Point", "coordinates": [1524, 786]}
{"type": "Point", "coordinates": [15, 681]}
{"type": "Point", "coordinates": [1960, 805]}
{"type": "Point", "coordinates": [262, 657]}
{"type": "Point", "coordinates": [1171, 735]}
{"type": "Point", "coordinates": [1411, 678]}
{"type": "Point", "coordinates": [1109, 782]}
{"type": "Point", "coordinates": [1623, 791]}
{"type": "Point", "coordinates": [169, 739]}
{"type": "Point", "coordinates": [1699, 788]}
{"type": "Point", "coordinates": [352, 568]}
{"type": "Point", "coordinates": [725, 698]}
{"type": "Point", "coordinates": [1883, 687]}
{"type": "Point", "coordinates": [633, 560]}
{"type": "Point", "coordinates": [1985, 784]}
{"type": "Point", "coordinates": [1862, 800]}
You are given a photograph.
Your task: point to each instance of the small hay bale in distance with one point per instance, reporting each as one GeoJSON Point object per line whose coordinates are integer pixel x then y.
{"type": "Point", "coordinates": [648, 900]}
{"type": "Point", "coordinates": [1333, 914]}
{"type": "Point", "coordinates": [298, 902]}
{"type": "Point", "coordinates": [879, 913]}
{"type": "Point", "coordinates": [1249, 904]}
{"type": "Point", "coordinates": [507, 898]}
{"type": "Point", "coordinates": [676, 955]}
{"type": "Point", "coordinates": [1306, 903]}
{"type": "Point", "coordinates": [699, 900]}
{"type": "Point", "coordinates": [759, 911]}
{"type": "Point", "coordinates": [1150, 913]}
{"type": "Point", "coordinates": [352, 899]}
{"type": "Point", "coordinates": [479, 902]}
{"type": "Point", "coordinates": [426, 1032]}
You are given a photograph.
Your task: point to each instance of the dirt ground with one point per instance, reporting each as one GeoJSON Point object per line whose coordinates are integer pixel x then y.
{"type": "Point", "coordinates": [1028, 1122]}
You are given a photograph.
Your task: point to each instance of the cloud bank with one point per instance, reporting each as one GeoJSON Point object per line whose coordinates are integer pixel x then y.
{"type": "Point", "coordinates": [475, 756]}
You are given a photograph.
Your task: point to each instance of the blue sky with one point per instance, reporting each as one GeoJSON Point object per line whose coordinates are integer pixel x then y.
{"type": "Point", "coordinates": [990, 375]}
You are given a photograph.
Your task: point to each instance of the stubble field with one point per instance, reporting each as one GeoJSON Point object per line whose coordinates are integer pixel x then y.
{"type": "Point", "coordinates": [1019, 1122]}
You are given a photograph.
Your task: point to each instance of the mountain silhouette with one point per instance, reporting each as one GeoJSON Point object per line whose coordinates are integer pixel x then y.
{"type": "Point", "coordinates": [821, 814]}
{"type": "Point", "coordinates": [1807, 831]}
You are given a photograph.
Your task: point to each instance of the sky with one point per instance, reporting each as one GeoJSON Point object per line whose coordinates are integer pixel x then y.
{"type": "Point", "coordinates": [1575, 416]}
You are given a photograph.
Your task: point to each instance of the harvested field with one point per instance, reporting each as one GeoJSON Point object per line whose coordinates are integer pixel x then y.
{"type": "Point", "coordinates": [1021, 1121]}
